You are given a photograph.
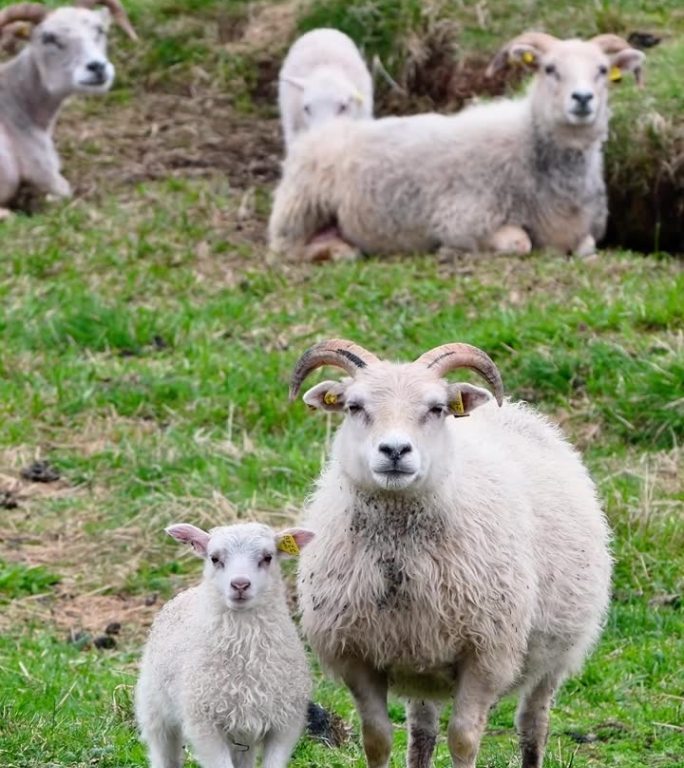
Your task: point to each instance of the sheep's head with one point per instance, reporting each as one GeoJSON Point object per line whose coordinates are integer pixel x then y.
{"type": "Point", "coordinates": [326, 95]}
{"type": "Point", "coordinates": [396, 430]}
{"type": "Point", "coordinates": [241, 560]}
{"type": "Point", "coordinates": [69, 45]}
{"type": "Point", "coordinates": [572, 75]}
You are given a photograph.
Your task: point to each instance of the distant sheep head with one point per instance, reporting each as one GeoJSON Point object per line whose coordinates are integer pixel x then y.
{"type": "Point", "coordinates": [571, 87]}
{"type": "Point", "coordinates": [326, 94]}
{"type": "Point", "coordinates": [69, 44]}
{"type": "Point", "coordinates": [395, 433]}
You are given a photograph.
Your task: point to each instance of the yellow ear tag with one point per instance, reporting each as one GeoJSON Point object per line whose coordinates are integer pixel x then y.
{"type": "Point", "coordinates": [330, 398]}
{"type": "Point", "coordinates": [288, 545]}
{"type": "Point", "coordinates": [457, 406]}
{"type": "Point", "coordinates": [358, 96]}
{"type": "Point", "coordinates": [615, 74]}
{"type": "Point", "coordinates": [528, 57]}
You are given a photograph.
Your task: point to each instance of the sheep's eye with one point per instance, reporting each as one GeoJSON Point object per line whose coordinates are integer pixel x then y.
{"type": "Point", "coordinates": [266, 560]}
{"type": "Point", "coordinates": [307, 109]}
{"type": "Point", "coordinates": [355, 408]}
{"type": "Point", "coordinates": [216, 560]}
{"type": "Point", "coordinates": [49, 39]}
{"type": "Point", "coordinates": [550, 69]}
{"type": "Point", "coordinates": [342, 108]}
{"type": "Point", "coordinates": [99, 31]}
{"type": "Point", "coordinates": [437, 410]}
{"type": "Point", "coordinates": [603, 69]}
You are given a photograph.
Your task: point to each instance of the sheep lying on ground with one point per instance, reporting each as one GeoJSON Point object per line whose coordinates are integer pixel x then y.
{"type": "Point", "coordinates": [66, 55]}
{"type": "Point", "coordinates": [224, 666]}
{"type": "Point", "coordinates": [323, 76]}
{"type": "Point", "coordinates": [505, 176]}
{"type": "Point", "coordinates": [453, 558]}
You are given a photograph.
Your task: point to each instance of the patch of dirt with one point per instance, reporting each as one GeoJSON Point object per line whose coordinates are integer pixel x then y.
{"type": "Point", "coordinates": [266, 26]}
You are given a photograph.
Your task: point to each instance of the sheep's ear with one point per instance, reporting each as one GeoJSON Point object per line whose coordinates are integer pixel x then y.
{"type": "Point", "coordinates": [105, 17]}
{"type": "Point", "coordinates": [524, 55]}
{"type": "Point", "coordinates": [326, 396]}
{"type": "Point", "coordinates": [292, 540]}
{"type": "Point", "coordinates": [464, 398]}
{"type": "Point", "coordinates": [627, 60]}
{"type": "Point", "coordinates": [297, 82]}
{"type": "Point", "coordinates": [189, 534]}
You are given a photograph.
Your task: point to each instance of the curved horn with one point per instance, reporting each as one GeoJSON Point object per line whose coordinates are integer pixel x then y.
{"type": "Point", "coordinates": [610, 43]}
{"type": "Point", "coordinates": [539, 40]}
{"type": "Point", "coordinates": [116, 9]}
{"type": "Point", "coordinates": [449, 357]}
{"type": "Point", "coordinates": [339, 352]}
{"type": "Point", "coordinates": [32, 12]}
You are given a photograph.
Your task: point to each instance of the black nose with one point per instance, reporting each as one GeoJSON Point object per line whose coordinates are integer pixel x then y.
{"type": "Point", "coordinates": [582, 97]}
{"type": "Point", "coordinates": [240, 584]}
{"type": "Point", "coordinates": [96, 67]}
{"type": "Point", "coordinates": [396, 451]}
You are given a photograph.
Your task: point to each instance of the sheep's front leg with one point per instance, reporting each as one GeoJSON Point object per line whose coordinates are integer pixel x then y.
{"type": "Point", "coordinates": [532, 721]}
{"type": "Point", "coordinates": [40, 166]}
{"type": "Point", "coordinates": [368, 686]}
{"type": "Point", "coordinates": [423, 717]}
{"type": "Point", "coordinates": [509, 239]}
{"type": "Point", "coordinates": [211, 749]}
{"type": "Point", "coordinates": [279, 745]}
{"type": "Point", "coordinates": [472, 701]}
{"type": "Point", "coordinates": [586, 247]}
{"type": "Point", "coordinates": [295, 218]}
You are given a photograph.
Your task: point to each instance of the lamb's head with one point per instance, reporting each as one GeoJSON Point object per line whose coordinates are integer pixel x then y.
{"type": "Point", "coordinates": [571, 86]}
{"type": "Point", "coordinates": [396, 431]}
{"type": "Point", "coordinates": [326, 94]}
{"type": "Point", "coordinates": [69, 44]}
{"type": "Point", "coordinates": [241, 561]}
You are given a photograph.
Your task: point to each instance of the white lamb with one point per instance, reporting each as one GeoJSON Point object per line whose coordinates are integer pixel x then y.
{"type": "Point", "coordinates": [323, 76]}
{"type": "Point", "coordinates": [505, 176]}
{"type": "Point", "coordinates": [454, 558]}
{"type": "Point", "coordinates": [224, 666]}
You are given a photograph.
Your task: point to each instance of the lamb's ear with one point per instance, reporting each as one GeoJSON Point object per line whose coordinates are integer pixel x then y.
{"type": "Point", "coordinates": [520, 54]}
{"type": "Point", "coordinates": [105, 17]}
{"type": "Point", "coordinates": [327, 396]}
{"type": "Point", "coordinates": [297, 82]}
{"type": "Point", "coordinates": [464, 398]}
{"type": "Point", "coordinates": [292, 540]}
{"type": "Point", "coordinates": [189, 534]}
{"type": "Point", "coordinates": [627, 60]}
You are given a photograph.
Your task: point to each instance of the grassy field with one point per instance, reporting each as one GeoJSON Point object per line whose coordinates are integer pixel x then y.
{"type": "Point", "coordinates": [146, 345]}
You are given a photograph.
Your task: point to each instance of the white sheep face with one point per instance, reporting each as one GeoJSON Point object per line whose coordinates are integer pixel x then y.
{"type": "Point", "coordinates": [70, 49]}
{"type": "Point", "coordinates": [240, 560]}
{"type": "Point", "coordinates": [326, 95]}
{"type": "Point", "coordinates": [573, 79]}
{"type": "Point", "coordinates": [396, 430]}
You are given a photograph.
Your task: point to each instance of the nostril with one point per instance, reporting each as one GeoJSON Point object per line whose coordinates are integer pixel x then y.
{"type": "Point", "coordinates": [240, 584]}
{"type": "Point", "coordinates": [96, 67]}
{"type": "Point", "coordinates": [388, 450]}
{"type": "Point", "coordinates": [582, 98]}
{"type": "Point", "coordinates": [395, 452]}
{"type": "Point", "coordinates": [404, 449]}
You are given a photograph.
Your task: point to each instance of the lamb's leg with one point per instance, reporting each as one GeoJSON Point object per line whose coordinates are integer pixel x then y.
{"type": "Point", "coordinates": [211, 749]}
{"type": "Point", "coordinates": [279, 745]}
{"type": "Point", "coordinates": [509, 239]}
{"type": "Point", "coordinates": [369, 689]}
{"type": "Point", "coordinates": [165, 746]}
{"type": "Point", "coordinates": [423, 717]}
{"type": "Point", "coordinates": [586, 247]}
{"type": "Point", "coordinates": [472, 701]}
{"type": "Point", "coordinates": [295, 218]}
{"type": "Point", "coordinates": [532, 721]}
{"type": "Point", "coordinates": [40, 165]}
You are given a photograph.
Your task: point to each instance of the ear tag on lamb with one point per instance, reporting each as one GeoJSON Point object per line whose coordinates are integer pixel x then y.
{"type": "Point", "coordinates": [528, 57]}
{"type": "Point", "coordinates": [615, 74]}
{"type": "Point", "coordinates": [358, 96]}
{"type": "Point", "coordinates": [288, 545]}
{"type": "Point", "coordinates": [456, 405]}
{"type": "Point", "coordinates": [330, 398]}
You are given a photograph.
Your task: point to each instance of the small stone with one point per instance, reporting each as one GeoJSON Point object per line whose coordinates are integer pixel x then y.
{"type": "Point", "coordinates": [40, 472]}
{"type": "Point", "coordinates": [113, 628]}
{"type": "Point", "coordinates": [151, 599]}
{"type": "Point", "coordinates": [104, 642]}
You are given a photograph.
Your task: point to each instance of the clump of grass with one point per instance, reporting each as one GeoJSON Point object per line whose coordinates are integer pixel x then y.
{"type": "Point", "coordinates": [17, 580]}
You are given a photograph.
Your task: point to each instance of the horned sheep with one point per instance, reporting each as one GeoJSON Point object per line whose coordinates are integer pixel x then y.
{"type": "Point", "coordinates": [224, 666]}
{"type": "Point", "coordinates": [66, 54]}
{"type": "Point", "coordinates": [453, 558]}
{"type": "Point", "coordinates": [323, 77]}
{"type": "Point", "coordinates": [507, 175]}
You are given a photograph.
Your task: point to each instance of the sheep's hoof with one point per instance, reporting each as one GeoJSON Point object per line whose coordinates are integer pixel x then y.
{"type": "Point", "coordinates": [587, 247]}
{"type": "Point", "coordinates": [331, 249]}
{"type": "Point", "coordinates": [510, 239]}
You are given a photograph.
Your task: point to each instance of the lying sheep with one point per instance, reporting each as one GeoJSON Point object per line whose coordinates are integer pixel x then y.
{"type": "Point", "coordinates": [66, 54]}
{"type": "Point", "coordinates": [224, 666]}
{"type": "Point", "coordinates": [504, 176]}
{"type": "Point", "coordinates": [454, 558]}
{"type": "Point", "coordinates": [323, 76]}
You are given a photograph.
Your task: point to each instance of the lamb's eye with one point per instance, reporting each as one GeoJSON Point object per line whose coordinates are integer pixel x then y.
{"type": "Point", "coordinates": [603, 69]}
{"type": "Point", "coordinates": [266, 560]}
{"type": "Point", "coordinates": [307, 109]}
{"type": "Point", "coordinates": [342, 108]}
{"type": "Point", "coordinates": [437, 410]}
{"type": "Point", "coordinates": [216, 560]}
{"type": "Point", "coordinates": [49, 39]}
{"type": "Point", "coordinates": [355, 408]}
{"type": "Point", "coordinates": [99, 31]}
{"type": "Point", "coordinates": [550, 69]}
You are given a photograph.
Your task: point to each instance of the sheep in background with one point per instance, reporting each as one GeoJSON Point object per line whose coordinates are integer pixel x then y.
{"type": "Point", "coordinates": [453, 558]}
{"type": "Point", "coordinates": [508, 175]}
{"type": "Point", "coordinates": [66, 54]}
{"type": "Point", "coordinates": [224, 666]}
{"type": "Point", "coordinates": [323, 76]}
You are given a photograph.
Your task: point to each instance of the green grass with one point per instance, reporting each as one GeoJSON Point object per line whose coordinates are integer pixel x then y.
{"type": "Point", "coordinates": [146, 349]}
